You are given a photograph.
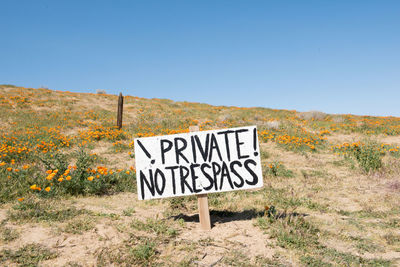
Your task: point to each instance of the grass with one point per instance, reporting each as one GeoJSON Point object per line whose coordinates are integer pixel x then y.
{"type": "Point", "coordinates": [79, 225]}
{"type": "Point", "coordinates": [393, 240]}
{"type": "Point", "coordinates": [128, 212]}
{"type": "Point", "coordinates": [28, 255]}
{"type": "Point", "coordinates": [142, 250]}
{"type": "Point", "coordinates": [277, 169]}
{"type": "Point", "coordinates": [7, 234]}
{"type": "Point", "coordinates": [158, 227]}
{"type": "Point", "coordinates": [293, 231]}
{"type": "Point", "coordinates": [34, 210]}
{"type": "Point", "coordinates": [132, 253]}
{"type": "Point", "coordinates": [237, 258]}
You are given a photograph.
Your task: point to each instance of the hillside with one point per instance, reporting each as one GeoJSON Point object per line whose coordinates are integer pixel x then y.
{"type": "Point", "coordinates": [68, 187]}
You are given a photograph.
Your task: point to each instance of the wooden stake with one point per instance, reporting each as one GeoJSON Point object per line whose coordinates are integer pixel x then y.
{"type": "Point", "coordinates": [202, 200]}
{"type": "Point", "coordinates": [119, 112]}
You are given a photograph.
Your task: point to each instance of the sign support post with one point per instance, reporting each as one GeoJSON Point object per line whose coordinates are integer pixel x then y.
{"type": "Point", "coordinates": [202, 201]}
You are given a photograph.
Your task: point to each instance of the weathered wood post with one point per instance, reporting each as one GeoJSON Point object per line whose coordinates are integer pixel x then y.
{"type": "Point", "coordinates": [120, 109]}
{"type": "Point", "coordinates": [202, 200]}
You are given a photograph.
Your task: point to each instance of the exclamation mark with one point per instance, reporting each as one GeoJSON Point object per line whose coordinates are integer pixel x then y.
{"type": "Point", "coordinates": [145, 151]}
{"type": "Point", "coordinates": [255, 142]}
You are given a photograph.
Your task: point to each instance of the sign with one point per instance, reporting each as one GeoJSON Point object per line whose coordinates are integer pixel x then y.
{"type": "Point", "coordinates": [198, 163]}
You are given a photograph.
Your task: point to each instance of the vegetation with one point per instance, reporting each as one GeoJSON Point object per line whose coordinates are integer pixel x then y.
{"type": "Point", "coordinates": [68, 184]}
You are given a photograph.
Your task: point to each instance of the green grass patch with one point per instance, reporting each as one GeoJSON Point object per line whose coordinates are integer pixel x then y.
{"type": "Point", "coordinates": [28, 255]}
{"type": "Point", "coordinates": [79, 225]}
{"type": "Point", "coordinates": [137, 251]}
{"type": "Point", "coordinates": [295, 232]}
{"type": "Point", "coordinates": [35, 210]}
{"type": "Point", "coordinates": [158, 227]}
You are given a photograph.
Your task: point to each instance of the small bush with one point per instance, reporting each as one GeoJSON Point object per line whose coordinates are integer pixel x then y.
{"type": "Point", "coordinates": [368, 154]}
{"type": "Point", "coordinates": [368, 157]}
{"type": "Point", "coordinates": [143, 252]}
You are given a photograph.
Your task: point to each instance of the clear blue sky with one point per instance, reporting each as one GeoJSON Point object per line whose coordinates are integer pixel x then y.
{"type": "Point", "coordinates": [334, 56]}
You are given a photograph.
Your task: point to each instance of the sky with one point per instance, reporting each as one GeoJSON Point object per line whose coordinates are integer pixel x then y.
{"type": "Point", "coordinates": [332, 56]}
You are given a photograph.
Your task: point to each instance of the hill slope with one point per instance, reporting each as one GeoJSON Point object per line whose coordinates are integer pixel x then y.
{"type": "Point", "coordinates": [68, 189]}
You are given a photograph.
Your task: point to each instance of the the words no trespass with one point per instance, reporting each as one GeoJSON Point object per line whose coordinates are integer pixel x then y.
{"type": "Point", "coordinates": [198, 163]}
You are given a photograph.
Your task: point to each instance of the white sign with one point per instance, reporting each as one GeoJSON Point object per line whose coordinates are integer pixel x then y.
{"type": "Point", "coordinates": [198, 163]}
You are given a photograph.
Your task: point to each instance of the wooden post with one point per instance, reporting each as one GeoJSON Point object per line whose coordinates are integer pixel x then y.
{"type": "Point", "coordinates": [202, 201]}
{"type": "Point", "coordinates": [119, 112]}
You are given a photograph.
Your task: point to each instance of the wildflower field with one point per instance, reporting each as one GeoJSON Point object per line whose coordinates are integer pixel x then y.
{"type": "Point", "coordinates": [68, 187]}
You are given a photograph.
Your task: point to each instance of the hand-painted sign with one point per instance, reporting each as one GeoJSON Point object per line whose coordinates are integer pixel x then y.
{"type": "Point", "coordinates": [198, 163]}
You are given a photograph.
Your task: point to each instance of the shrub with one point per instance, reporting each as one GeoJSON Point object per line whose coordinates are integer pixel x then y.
{"type": "Point", "coordinates": [368, 154]}
{"type": "Point", "coordinates": [368, 157]}
{"type": "Point", "coordinates": [87, 181]}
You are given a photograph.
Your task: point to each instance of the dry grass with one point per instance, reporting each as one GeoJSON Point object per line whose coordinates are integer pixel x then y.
{"type": "Point", "coordinates": [312, 115]}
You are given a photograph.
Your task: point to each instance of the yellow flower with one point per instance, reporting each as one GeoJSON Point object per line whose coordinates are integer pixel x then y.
{"type": "Point", "coordinates": [25, 167]}
{"type": "Point", "coordinates": [90, 178]}
{"type": "Point", "coordinates": [127, 172]}
{"type": "Point", "coordinates": [9, 169]}
{"type": "Point", "coordinates": [47, 189]}
{"type": "Point", "coordinates": [68, 178]}
{"type": "Point", "coordinates": [50, 176]}
{"type": "Point", "coordinates": [49, 171]}
{"type": "Point", "coordinates": [60, 179]}
{"type": "Point", "coordinates": [20, 199]}
{"type": "Point", "coordinates": [33, 187]}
